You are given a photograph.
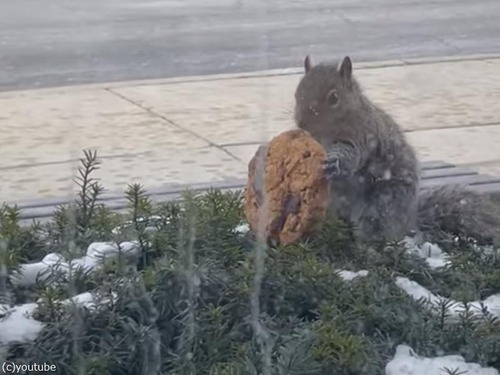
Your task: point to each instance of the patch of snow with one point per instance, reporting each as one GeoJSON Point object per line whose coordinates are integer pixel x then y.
{"type": "Point", "coordinates": [350, 275]}
{"type": "Point", "coordinates": [85, 299]}
{"type": "Point", "coordinates": [4, 308]}
{"type": "Point", "coordinates": [89, 300]}
{"type": "Point", "coordinates": [406, 362]}
{"type": "Point", "coordinates": [242, 229]}
{"type": "Point", "coordinates": [150, 219]}
{"type": "Point", "coordinates": [432, 253]}
{"type": "Point", "coordinates": [415, 290]}
{"type": "Point", "coordinates": [485, 250]}
{"type": "Point", "coordinates": [100, 250]}
{"type": "Point", "coordinates": [28, 274]}
{"type": "Point", "coordinates": [18, 325]}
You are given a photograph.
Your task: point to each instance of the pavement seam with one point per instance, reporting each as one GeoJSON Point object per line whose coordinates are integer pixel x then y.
{"type": "Point", "coordinates": [464, 126]}
{"type": "Point", "coordinates": [233, 155]}
{"type": "Point", "coordinates": [73, 160]}
{"type": "Point", "coordinates": [223, 146]}
{"type": "Point", "coordinates": [445, 59]}
{"type": "Point", "coordinates": [167, 120]}
{"type": "Point", "coordinates": [236, 144]}
{"type": "Point", "coordinates": [480, 163]}
{"type": "Point", "coordinates": [157, 115]}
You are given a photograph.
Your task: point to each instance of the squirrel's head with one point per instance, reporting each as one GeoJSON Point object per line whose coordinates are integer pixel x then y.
{"type": "Point", "coordinates": [325, 94]}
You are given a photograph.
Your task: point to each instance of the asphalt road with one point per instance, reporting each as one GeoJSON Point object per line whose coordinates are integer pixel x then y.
{"type": "Point", "coordinates": [64, 42]}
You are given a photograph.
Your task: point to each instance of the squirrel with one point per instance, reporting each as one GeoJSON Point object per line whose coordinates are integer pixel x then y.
{"type": "Point", "coordinates": [373, 172]}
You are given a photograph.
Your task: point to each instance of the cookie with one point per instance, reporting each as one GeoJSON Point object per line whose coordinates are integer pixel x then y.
{"type": "Point", "coordinates": [287, 193]}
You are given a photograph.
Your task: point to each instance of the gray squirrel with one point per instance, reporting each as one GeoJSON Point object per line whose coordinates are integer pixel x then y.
{"type": "Point", "coordinates": [373, 171]}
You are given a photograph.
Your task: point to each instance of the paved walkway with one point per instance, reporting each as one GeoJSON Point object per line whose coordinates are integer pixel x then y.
{"type": "Point", "coordinates": [205, 129]}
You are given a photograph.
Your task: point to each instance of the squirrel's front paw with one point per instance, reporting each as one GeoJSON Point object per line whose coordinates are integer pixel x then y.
{"type": "Point", "coordinates": [332, 167]}
{"type": "Point", "coordinates": [335, 166]}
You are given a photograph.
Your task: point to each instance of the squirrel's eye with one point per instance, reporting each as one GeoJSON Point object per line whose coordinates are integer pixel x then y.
{"type": "Point", "coordinates": [332, 98]}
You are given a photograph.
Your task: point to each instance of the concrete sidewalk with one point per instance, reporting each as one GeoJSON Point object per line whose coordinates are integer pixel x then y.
{"type": "Point", "coordinates": [205, 129]}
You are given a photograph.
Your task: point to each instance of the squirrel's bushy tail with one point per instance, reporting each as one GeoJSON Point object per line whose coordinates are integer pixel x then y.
{"type": "Point", "coordinates": [459, 211]}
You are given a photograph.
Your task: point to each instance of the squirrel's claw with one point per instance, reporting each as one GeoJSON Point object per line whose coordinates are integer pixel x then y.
{"type": "Point", "coordinates": [331, 167]}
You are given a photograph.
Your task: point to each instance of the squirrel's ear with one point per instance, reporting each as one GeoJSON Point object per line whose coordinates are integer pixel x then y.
{"type": "Point", "coordinates": [307, 64]}
{"type": "Point", "coordinates": [346, 68]}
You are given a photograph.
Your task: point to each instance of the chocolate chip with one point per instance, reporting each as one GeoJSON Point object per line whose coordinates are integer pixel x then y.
{"type": "Point", "coordinates": [291, 205]}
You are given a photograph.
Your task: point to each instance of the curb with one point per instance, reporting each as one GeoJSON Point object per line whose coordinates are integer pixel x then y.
{"type": "Point", "coordinates": [257, 74]}
{"type": "Point", "coordinates": [434, 173]}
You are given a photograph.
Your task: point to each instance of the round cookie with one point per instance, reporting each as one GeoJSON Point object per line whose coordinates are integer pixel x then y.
{"type": "Point", "coordinates": [287, 193]}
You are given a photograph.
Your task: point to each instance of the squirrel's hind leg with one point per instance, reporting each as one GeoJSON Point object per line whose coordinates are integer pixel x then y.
{"type": "Point", "coordinates": [390, 213]}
